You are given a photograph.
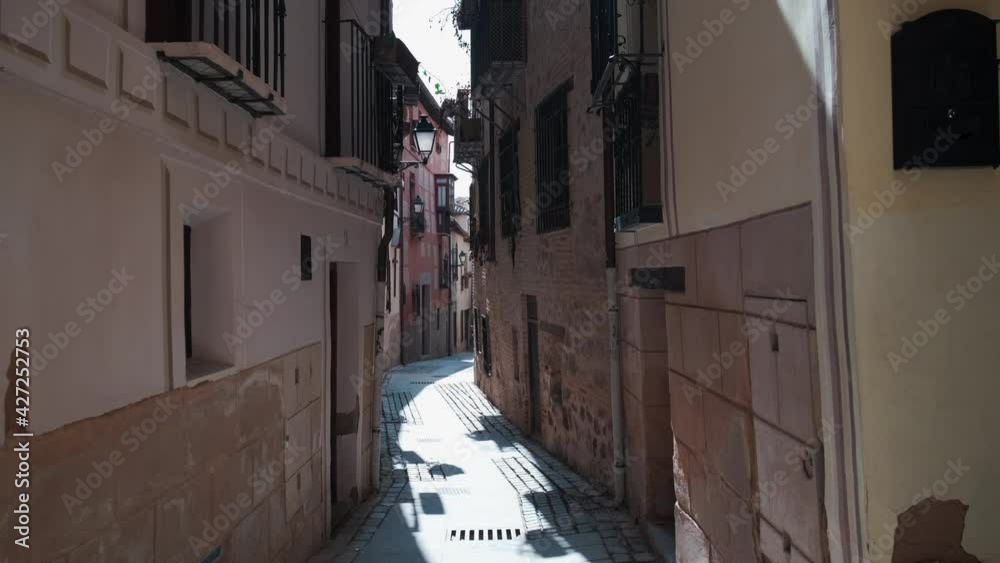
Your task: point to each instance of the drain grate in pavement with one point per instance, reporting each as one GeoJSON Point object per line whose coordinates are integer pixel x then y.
{"type": "Point", "coordinates": [488, 534]}
{"type": "Point", "coordinates": [453, 491]}
{"type": "Point", "coordinates": [421, 383]}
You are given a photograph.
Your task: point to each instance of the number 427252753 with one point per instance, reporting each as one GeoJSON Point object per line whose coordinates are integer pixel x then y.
{"type": "Point", "coordinates": [22, 365]}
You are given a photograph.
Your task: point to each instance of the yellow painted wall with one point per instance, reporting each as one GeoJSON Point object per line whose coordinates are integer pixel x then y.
{"type": "Point", "coordinates": [940, 406]}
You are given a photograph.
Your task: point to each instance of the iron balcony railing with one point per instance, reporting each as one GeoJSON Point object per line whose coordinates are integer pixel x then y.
{"type": "Point", "coordinates": [498, 42]}
{"type": "Point", "coordinates": [368, 125]}
{"type": "Point", "coordinates": [637, 198]}
{"type": "Point", "coordinates": [252, 32]}
{"type": "Point", "coordinates": [418, 224]}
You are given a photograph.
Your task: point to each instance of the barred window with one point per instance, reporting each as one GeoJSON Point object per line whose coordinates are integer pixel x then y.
{"type": "Point", "coordinates": [487, 357]}
{"type": "Point", "coordinates": [552, 161]}
{"type": "Point", "coordinates": [484, 224]}
{"type": "Point", "coordinates": [510, 198]}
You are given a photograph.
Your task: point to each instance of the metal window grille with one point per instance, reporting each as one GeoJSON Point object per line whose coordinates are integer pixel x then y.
{"type": "Point", "coordinates": [373, 122]}
{"type": "Point", "coordinates": [510, 198]}
{"type": "Point", "coordinates": [628, 147]}
{"type": "Point", "coordinates": [498, 40]}
{"type": "Point", "coordinates": [484, 223]}
{"type": "Point", "coordinates": [552, 162]}
{"type": "Point", "coordinates": [252, 32]}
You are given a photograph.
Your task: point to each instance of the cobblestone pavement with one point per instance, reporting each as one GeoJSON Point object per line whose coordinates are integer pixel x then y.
{"type": "Point", "coordinates": [460, 482]}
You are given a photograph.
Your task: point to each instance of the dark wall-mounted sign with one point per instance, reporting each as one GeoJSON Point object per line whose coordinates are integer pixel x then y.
{"type": "Point", "coordinates": [670, 278]}
{"type": "Point", "coordinates": [945, 96]}
{"type": "Point", "coordinates": [305, 257]}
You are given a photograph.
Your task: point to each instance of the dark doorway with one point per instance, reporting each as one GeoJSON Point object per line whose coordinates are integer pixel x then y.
{"type": "Point", "coordinates": [534, 385]}
{"type": "Point", "coordinates": [333, 384]}
{"type": "Point", "coordinates": [187, 291]}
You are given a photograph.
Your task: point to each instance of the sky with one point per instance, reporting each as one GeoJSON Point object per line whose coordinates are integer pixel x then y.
{"type": "Point", "coordinates": [426, 28]}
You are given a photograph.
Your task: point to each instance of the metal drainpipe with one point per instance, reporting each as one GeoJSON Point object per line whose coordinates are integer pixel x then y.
{"type": "Point", "coordinates": [376, 417]}
{"type": "Point", "coordinates": [617, 408]}
{"type": "Point", "coordinates": [615, 375]}
{"type": "Point", "coordinates": [388, 225]}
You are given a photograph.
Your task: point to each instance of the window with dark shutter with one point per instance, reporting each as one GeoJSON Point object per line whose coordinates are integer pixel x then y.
{"type": "Point", "coordinates": [487, 357]}
{"type": "Point", "coordinates": [484, 224]}
{"type": "Point", "coordinates": [510, 198]}
{"type": "Point", "coordinates": [552, 161]}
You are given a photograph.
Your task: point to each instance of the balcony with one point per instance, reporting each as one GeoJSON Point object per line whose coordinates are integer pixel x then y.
{"type": "Point", "coordinates": [237, 49]}
{"type": "Point", "coordinates": [394, 59]}
{"type": "Point", "coordinates": [364, 107]}
{"type": "Point", "coordinates": [637, 180]}
{"type": "Point", "coordinates": [498, 44]}
{"type": "Point", "coordinates": [469, 141]}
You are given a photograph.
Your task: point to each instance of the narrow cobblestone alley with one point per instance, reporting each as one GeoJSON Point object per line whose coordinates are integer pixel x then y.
{"type": "Point", "coordinates": [461, 483]}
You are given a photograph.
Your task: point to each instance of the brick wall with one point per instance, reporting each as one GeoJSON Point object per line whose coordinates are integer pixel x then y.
{"type": "Point", "coordinates": [564, 270]}
{"type": "Point", "coordinates": [235, 463]}
{"type": "Point", "coordinates": [742, 380]}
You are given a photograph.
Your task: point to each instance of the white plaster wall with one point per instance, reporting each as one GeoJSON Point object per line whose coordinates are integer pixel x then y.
{"type": "Point", "coordinates": [119, 210]}
{"type": "Point", "coordinates": [733, 95]}
{"type": "Point", "coordinates": [63, 242]}
{"type": "Point", "coordinates": [303, 66]}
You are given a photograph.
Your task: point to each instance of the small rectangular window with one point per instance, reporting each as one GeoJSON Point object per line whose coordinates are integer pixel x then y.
{"type": "Point", "coordinates": [510, 198]}
{"type": "Point", "coordinates": [552, 161]}
{"type": "Point", "coordinates": [305, 256]}
{"type": "Point", "coordinates": [209, 310]}
{"type": "Point", "coordinates": [487, 357]}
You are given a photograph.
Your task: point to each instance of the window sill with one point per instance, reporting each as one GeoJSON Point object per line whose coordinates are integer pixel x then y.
{"type": "Point", "coordinates": [200, 371]}
{"type": "Point", "coordinates": [555, 231]}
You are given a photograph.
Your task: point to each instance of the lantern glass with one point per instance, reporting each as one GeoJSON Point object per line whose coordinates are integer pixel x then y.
{"type": "Point", "coordinates": [423, 135]}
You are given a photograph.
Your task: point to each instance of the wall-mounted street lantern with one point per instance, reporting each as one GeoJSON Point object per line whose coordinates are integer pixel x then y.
{"type": "Point", "coordinates": [462, 258]}
{"type": "Point", "coordinates": [418, 206]}
{"type": "Point", "coordinates": [423, 136]}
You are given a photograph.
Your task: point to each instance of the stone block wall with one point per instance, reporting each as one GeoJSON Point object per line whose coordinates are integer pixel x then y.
{"type": "Point", "coordinates": [234, 465]}
{"type": "Point", "coordinates": [733, 359]}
